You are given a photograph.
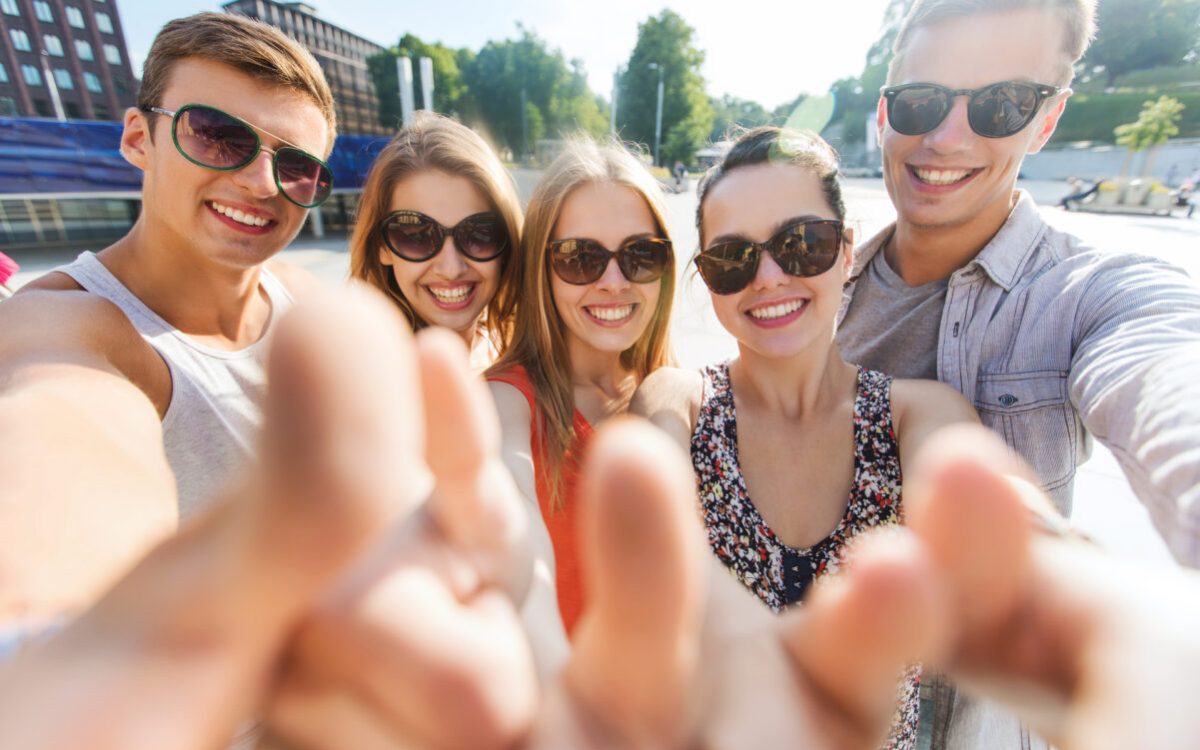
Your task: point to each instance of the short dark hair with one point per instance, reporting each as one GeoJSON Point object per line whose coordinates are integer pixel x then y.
{"type": "Point", "coordinates": [774, 145]}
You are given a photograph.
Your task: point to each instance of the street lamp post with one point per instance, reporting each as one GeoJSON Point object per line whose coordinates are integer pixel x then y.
{"type": "Point", "coordinates": [658, 113]}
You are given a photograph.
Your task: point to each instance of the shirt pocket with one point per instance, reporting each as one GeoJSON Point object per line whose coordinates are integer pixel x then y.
{"type": "Point", "coordinates": [1032, 412]}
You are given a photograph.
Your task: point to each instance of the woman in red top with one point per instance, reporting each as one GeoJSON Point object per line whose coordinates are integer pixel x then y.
{"type": "Point", "coordinates": [596, 284]}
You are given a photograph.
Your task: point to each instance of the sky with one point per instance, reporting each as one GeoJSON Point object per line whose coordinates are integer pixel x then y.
{"type": "Point", "coordinates": [767, 51]}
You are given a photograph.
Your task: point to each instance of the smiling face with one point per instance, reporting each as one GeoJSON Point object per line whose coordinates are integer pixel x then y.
{"type": "Point", "coordinates": [234, 219]}
{"type": "Point", "coordinates": [612, 313]}
{"type": "Point", "coordinates": [776, 315]}
{"type": "Point", "coordinates": [450, 289]}
{"type": "Point", "coordinates": [951, 177]}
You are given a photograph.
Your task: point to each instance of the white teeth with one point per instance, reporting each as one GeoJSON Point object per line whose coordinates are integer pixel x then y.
{"type": "Point", "coordinates": [941, 176]}
{"type": "Point", "coordinates": [453, 294]}
{"type": "Point", "coordinates": [611, 313]}
{"type": "Point", "coordinates": [771, 312]}
{"type": "Point", "coordinates": [239, 216]}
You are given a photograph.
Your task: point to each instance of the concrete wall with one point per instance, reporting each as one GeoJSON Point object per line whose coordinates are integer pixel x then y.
{"type": "Point", "coordinates": [1098, 162]}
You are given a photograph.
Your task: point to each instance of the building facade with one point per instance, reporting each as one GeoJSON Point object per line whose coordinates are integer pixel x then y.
{"type": "Point", "coordinates": [64, 59]}
{"type": "Point", "coordinates": [342, 55]}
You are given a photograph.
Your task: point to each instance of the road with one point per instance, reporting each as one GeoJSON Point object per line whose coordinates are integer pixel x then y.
{"type": "Point", "coordinates": [1105, 507]}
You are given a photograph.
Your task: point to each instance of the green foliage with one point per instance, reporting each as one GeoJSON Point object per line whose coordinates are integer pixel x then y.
{"type": "Point", "coordinates": [666, 41]}
{"type": "Point", "coordinates": [526, 91]}
{"type": "Point", "coordinates": [1092, 117]}
{"type": "Point", "coordinates": [1157, 123]}
{"type": "Point", "coordinates": [730, 112]}
{"type": "Point", "coordinates": [450, 93]}
{"type": "Point", "coordinates": [1140, 34]}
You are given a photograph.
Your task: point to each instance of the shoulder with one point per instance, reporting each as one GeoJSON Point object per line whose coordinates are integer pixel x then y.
{"type": "Point", "coordinates": [512, 406]}
{"type": "Point", "coordinates": [670, 398]}
{"type": "Point", "coordinates": [299, 282]}
{"type": "Point", "coordinates": [54, 281]}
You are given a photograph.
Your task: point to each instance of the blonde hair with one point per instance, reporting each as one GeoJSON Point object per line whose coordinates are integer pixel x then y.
{"type": "Point", "coordinates": [1078, 18]}
{"type": "Point", "coordinates": [252, 47]}
{"type": "Point", "coordinates": [539, 342]}
{"type": "Point", "coordinates": [437, 142]}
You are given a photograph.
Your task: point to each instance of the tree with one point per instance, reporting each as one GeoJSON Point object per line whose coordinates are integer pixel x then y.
{"type": "Point", "coordinates": [855, 98]}
{"type": "Point", "coordinates": [687, 116]}
{"type": "Point", "coordinates": [525, 91]}
{"type": "Point", "coordinates": [450, 93]}
{"type": "Point", "coordinates": [1157, 123]}
{"type": "Point", "coordinates": [730, 112]}
{"type": "Point", "coordinates": [1140, 34]}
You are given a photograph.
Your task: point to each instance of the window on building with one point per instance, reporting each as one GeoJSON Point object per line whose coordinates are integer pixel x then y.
{"type": "Point", "coordinates": [75, 16]}
{"type": "Point", "coordinates": [42, 10]}
{"type": "Point", "coordinates": [3, 73]}
{"type": "Point", "coordinates": [92, 81]}
{"type": "Point", "coordinates": [8, 106]}
{"type": "Point", "coordinates": [73, 110]}
{"type": "Point", "coordinates": [84, 50]}
{"type": "Point", "coordinates": [42, 108]}
{"type": "Point", "coordinates": [10, 7]}
{"type": "Point", "coordinates": [112, 54]}
{"type": "Point", "coordinates": [101, 112]}
{"type": "Point", "coordinates": [63, 79]}
{"type": "Point", "coordinates": [52, 44]}
{"type": "Point", "coordinates": [32, 75]}
{"type": "Point", "coordinates": [104, 23]}
{"type": "Point", "coordinates": [20, 40]}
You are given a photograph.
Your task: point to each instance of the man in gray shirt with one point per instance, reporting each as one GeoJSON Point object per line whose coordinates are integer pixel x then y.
{"type": "Point", "coordinates": [1052, 341]}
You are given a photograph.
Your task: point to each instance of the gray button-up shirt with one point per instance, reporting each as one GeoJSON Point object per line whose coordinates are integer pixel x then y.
{"type": "Point", "coordinates": [1052, 340]}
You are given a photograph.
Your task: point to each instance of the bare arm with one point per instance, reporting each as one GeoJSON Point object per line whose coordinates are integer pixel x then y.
{"type": "Point", "coordinates": [84, 484]}
{"type": "Point", "coordinates": [670, 398]}
{"type": "Point", "coordinates": [539, 614]}
{"type": "Point", "coordinates": [922, 407]}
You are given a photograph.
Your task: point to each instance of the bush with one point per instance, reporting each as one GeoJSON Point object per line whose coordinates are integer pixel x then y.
{"type": "Point", "coordinates": [1092, 117]}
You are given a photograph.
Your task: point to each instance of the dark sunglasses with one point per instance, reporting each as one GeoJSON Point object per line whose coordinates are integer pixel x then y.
{"type": "Point", "coordinates": [806, 248]}
{"type": "Point", "coordinates": [210, 138]}
{"type": "Point", "coordinates": [582, 261]}
{"type": "Point", "coordinates": [995, 111]}
{"type": "Point", "coordinates": [415, 237]}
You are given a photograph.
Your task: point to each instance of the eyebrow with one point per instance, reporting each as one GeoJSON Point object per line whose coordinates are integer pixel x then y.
{"type": "Point", "coordinates": [622, 243]}
{"type": "Point", "coordinates": [739, 237]}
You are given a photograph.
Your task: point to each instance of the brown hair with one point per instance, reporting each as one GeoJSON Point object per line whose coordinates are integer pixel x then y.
{"type": "Point", "coordinates": [539, 343]}
{"type": "Point", "coordinates": [437, 142]}
{"type": "Point", "coordinates": [254, 48]}
{"type": "Point", "coordinates": [1078, 19]}
{"type": "Point", "coordinates": [773, 145]}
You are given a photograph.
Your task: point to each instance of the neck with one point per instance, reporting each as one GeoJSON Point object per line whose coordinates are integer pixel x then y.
{"type": "Point", "coordinates": [803, 384]}
{"type": "Point", "coordinates": [921, 254]}
{"type": "Point", "coordinates": [220, 304]}
{"type": "Point", "coordinates": [593, 368]}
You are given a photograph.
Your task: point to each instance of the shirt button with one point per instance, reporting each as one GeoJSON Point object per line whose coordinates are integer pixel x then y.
{"type": "Point", "coordinates": [1008, 399]}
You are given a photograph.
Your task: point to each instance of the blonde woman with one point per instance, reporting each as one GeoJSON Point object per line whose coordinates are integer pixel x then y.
{"type": "Point", "coordinates": [596, 292]}
{"type": "Point", "coordinates": [437, 225]}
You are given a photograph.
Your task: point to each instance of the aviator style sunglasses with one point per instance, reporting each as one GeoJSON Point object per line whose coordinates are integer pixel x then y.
{"type": "Point", "coordinates": [804, 249]}
{"type": "Point", "coordinates": [415, 237]}
{"type": "Point", "coordinates": [995, 111]}
{"type": "Point", "coordinates": [210, 138]}
{"type": "Point", "coordinates": [582, 261]}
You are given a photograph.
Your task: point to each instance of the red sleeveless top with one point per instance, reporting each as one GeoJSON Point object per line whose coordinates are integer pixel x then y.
{"type": "Point", "coordinates": [561, 522]}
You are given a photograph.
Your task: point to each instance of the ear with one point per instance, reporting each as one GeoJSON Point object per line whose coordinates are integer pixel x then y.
{"type": "Point", "coordinates": [880, 117]}
{"type": "Point", "coordinates": [847, 250]}
{"type": "Point", "coordinates": [385, 256]}
{"type": "Point", "coordinates": [135, 138]}
{"type": "Point", "coordinates": [1050, 121]}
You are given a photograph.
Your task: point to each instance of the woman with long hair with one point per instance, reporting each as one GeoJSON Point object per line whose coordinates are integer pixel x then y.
{"type": "Point", "coordinates": [437, 227]}
{"type": "Point", "coordinates": [596, 291]}
{"type": "Point", "coordinates": [795, 450]}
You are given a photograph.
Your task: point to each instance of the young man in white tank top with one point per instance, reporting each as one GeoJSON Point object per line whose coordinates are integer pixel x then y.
{"type": "Point", "coordinates": [153, 348]}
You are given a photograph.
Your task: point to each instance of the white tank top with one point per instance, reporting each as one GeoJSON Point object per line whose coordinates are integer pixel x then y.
{"type": "Point", "coordinates": [212, 422]}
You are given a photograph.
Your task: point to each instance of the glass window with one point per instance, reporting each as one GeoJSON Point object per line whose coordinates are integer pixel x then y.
{"type": "Point", "coordinates": [32, 75]}
{"type": "Point", "coordinates": [8, 106]}
{"type": "Point", "coordinates": [101, 111]}
{"type": "Point", "coordinates": [75, 16]}
{"type": "Point", "coordinates": [42, 9]}
{"type": "Point", "coordinates": [104, 23]}
{"type": "Point", "coordinates": [84, 50]}
{"type": "Point", "coordinates": [112, 54]}
{"type": "Point", "coordinates": [20, 40]}
{"type": "Point", "coordinates": [63, 79]}
{"type": "Point", "coordinates": [92, 81]}
{"type": "Point", "coordinates": [52, 44]}
{"type": "Point", "coordinates": [10, 7]}
{"type": "Point", "coordinates": [3, 73]}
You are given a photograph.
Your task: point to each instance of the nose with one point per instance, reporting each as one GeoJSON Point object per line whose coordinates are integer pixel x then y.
{"type": "Point", "coordinates": [769, 274]}
{"type": "Point", "coordinates": [258, 177]}
{"type": "Point", "coordinates": [449, 263]}
{"type": "Point", "coordinates": [613, 279]}
{"type": "Point", "coordinates": [953, 133]}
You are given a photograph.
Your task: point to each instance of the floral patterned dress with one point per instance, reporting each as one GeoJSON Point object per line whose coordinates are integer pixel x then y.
{"type": "Point", "coordinates": [778, 574]}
